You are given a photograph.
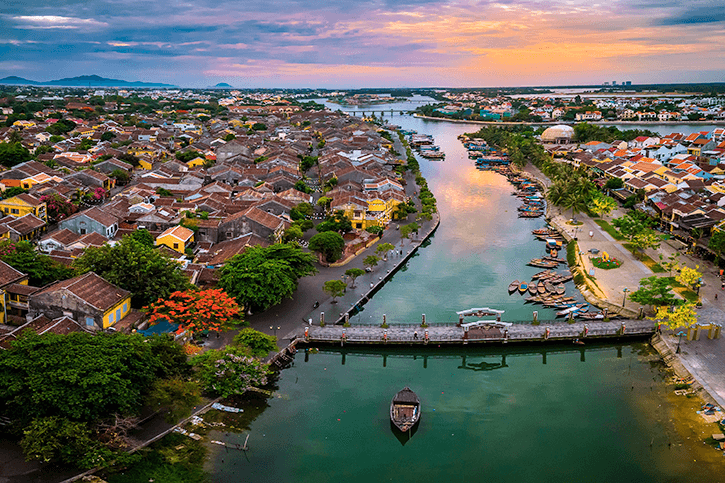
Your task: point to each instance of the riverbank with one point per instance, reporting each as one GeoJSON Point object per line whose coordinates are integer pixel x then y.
{"type": "Point", "coordinates": [554, 123]}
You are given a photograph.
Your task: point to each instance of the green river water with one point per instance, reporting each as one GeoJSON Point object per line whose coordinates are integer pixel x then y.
{"type": "Point", "coordinates": [548, 414]}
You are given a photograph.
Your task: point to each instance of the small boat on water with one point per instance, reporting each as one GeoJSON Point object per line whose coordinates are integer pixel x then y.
{"type": "Point", "coordinates": [405, 409]}
{"type": "Point", "coordinates": [573, 309]}
{"type": "Point", "coordinates": [523, 286]}
{"type": "Point", "coordinates": [560, 289]}
{"type": "Point", "coordinates": [549, 287]}
{"type": "Point", "coordinates": [533, 289]}
{"type": "Point", "coordinates": [513, 286]}
{"type": "Point", "coordinates": [541, 288]}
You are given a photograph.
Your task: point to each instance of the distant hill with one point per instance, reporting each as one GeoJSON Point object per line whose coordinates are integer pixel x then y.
{"type": "Point", "coordinates": [222, 84]}
{"type": "Point", "coordinates": [82, 81]}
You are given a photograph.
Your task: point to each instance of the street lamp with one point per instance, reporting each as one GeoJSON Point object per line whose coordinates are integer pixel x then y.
{"type": "Point", "coordinates": [625, 296]}
{"type": "Point", "coordinates": [680, 334]}
{"type": "Point", "coordinates": [275, 329]}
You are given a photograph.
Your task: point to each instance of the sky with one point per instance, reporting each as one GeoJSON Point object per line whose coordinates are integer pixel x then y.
{"type": "Point", "coordinates": [343, 44]}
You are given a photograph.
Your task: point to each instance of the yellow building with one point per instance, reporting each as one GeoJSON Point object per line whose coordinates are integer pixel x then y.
{"type": "Point", "coordinates": [9, 279]}
{"type": "Point", "coordinates": [199, 161]}
{"type": "Point", "coordinates": [177, 238]}
{"type": "Point", "coordinates": [24, 204]}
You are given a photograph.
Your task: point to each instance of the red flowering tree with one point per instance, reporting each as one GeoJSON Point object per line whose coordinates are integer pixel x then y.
{"type": "Point", "coordinates": [58, 207]}
{"type": "Point", "coordinates": [197, 310]}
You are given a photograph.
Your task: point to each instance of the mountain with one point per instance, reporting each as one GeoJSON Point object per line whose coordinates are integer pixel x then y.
{"type": "Point", "coordinates": [223, 85]}
{"type": "Point", "coordinates": [82, 81]}
{"type": "Point", "coordinates": [19, 81]}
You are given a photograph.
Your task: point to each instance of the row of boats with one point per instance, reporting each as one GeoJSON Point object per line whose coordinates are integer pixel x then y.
{"type": "Point", "coordinates": [425, 145]}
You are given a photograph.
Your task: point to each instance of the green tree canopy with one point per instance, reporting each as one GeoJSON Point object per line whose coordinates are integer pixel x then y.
{"type": "Point", "coordinates": [334, 288]}
{"type": "Point", "coordinates": [328, 243]}
{"type": "Point", "coordinates": [229, 371]}
{"type": "Point", "coordinates": [259, 343]}
{"type": "Point", "coordinates": [143, 236]}
{"type": "Point", "coordinates": [614, 184]}
{"type": "Point", "coordinates": [654, 291]}
{"type": "Point", "coordinates": [717, 243]}
{"type": "Point", "coordinates": [13, 153]}
{"type": "Point", "coordinates": [338, 222]}
{"type": "Point", "coordinates": [134, 266]}
{"type": "Point", "coordinates": [262, 276]}
{"type": "Point", "coordinates": [354, 273]}
{"type": "Point", "coordinates": [40, 268]}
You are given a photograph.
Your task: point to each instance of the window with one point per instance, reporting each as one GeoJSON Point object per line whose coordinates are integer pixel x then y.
{"type": "Point", "coordinates": [118, 314]}
{"type": "Point", "coordinates": [125, 307]}
{"type": "Point", "coordinates": [82, 231]}
{"type": "Point", "coordinates": [89, 321]}
{"type": "Point", "coordinates": [358, 225]}
{"type": "Point", "coordinates": [110, 318]}
{"type": "Point", "coordinates": [14, 211]}
{"type": "Point", "coordinates": [176, 246]}
{"type": "Point", "coordinates": [7, 210]}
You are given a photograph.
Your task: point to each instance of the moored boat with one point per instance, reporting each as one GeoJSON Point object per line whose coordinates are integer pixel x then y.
{"type": "Point", "coordinates": [513, 286]}
{"type": "Point", "coordinates": [405, 409]}
{"type": "Point", "coordinates": [523, 286]}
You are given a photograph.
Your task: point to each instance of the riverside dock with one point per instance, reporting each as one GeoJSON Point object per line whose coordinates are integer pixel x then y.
{"type": "Point", "coordinates": [495, 333]}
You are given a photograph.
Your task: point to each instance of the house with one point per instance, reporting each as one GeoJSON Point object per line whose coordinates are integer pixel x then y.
{"type": "Point", "coordinates": [177, 238]}
{"type": "Point", "coordinates": [8, 277]}
{"type": "Point", "coordinates": [26, 227]}
{"type": "Point", "coordinates": [24, 204]}
{"type": "Point", "coordinates": [92, 220]}
{"type": "Point", "coordinates": [88, 299]}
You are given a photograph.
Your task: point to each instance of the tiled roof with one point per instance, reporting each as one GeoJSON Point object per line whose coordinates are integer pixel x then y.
{"type": "Point", "coordinates": [90, 288]}
{"type": "Point", "coordinates": [8, 274]}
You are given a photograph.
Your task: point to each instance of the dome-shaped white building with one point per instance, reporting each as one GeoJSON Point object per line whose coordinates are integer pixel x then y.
{"type": "Point", "coordinates": [560, 134]}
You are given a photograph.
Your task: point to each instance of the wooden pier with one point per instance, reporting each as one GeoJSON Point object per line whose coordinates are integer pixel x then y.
{"type": "Point", "coordinates": [451, 334]}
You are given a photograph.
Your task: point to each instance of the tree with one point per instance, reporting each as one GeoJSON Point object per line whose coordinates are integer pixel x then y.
{"type": "Point", "coordinates": [354, 273]}
{"type": "Point", "coordinates": [143, 236]}
{"type": "Point", "coordinates": [59, 208]}
{"type": "Point", "coordinates": [301, 186]}
{"type": "Point", "coordinates": [601, 204]}
{"type": "Point", "coordinates": [334, 288]}
{"type": "Point", "coordinates": [262, 276]}
{"type": "Point", "coordinates": [672, 262]}
{"type": "Point", "coordinates": [676, 317]}
{"type": "Point", "coordinates": [57, 438]}
{"type": "Point", "coordinates": [145, 272]}
{"type": "Point", "coordinates": [304, 209]}
{"type": "Point", "coordinates": [229, 371]}
{"type": "Point", "coordinates": [259, 343]}
{"type": "Point", "coordinates": [406, 230]}
{"type": "Point", "coordinates": [175, 396]}
{"type": "Point", "coordinates": [646, 239]}
{"type": "Point", "coordinates": [40, 268]}
{"type": "Point", "coordinates": [717, 243]}
{"type": "Point", "coordinates": [690, 277]}
{"type": "Point", "coordinates": [370, 261]}
{"type": "Point", "coordinates": [107, 136]}
{"type": "Point", "coordinates": [654, 291]}
{"type": "Point", "coordinates": [121, 176]}
{"type": "Point", "coordinates": [324, 202]}
{"type": "Point", "coordinates": [384, 248]}
{"type": "Point", "coordinates": [259, 126]}
{"type": "Point", "coordinates": [294, 232]}
{"type": "Point", "coordinates": [13, 153]}
{"type": "Point", "coordinates": [13, 191]}
{"type": "Point", "coordinates": [83, 377]}
{"type": "Point", "coordinates": [338, 222]}
{"type": "Point", "coordinates": [197, 310]}
{"type": "Point", "coordinates": [329, 244]}
{"type": "Point", "coordinates": [130, 159]}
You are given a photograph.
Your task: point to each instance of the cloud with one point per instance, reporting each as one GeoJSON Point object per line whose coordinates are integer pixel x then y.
{"type": "Point", "coordinates": [56, 22]}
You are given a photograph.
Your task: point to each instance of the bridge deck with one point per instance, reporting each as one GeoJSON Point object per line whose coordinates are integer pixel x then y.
{"type": "Point", "coordinates": [450, 334]}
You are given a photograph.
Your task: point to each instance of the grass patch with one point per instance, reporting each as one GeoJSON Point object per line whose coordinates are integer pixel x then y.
{"type": "Point", "coordinates": [571, 250]}
{"type": "Point", "coordinates": [649, 262]}
{"type": "Point", "coordinates": [610, 229]}
{"type": "Point", "coordinates": [607, 264]}
{"type": "Point", "coordinates": [688, 295]}
{"type": "Point", "coordinates": [174, 459]}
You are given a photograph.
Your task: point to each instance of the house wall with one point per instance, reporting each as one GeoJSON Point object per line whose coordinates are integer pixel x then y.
{"type": "Point", "coordinates": [82, 222]}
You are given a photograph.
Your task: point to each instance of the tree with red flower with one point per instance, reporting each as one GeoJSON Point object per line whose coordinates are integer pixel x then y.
{"type": "Point", "coordinates": [197, 310]}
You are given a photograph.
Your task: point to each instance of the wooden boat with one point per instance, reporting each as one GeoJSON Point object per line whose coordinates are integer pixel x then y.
{"type": "Point", "coordinates": [523, 287]}
{"type": "Point", "coordinates": [541, 288]}
{"type": "Point", "coordinates": [513, 286]}
{"type": "Point", "coordinates": [560, 289]}
{"type": "Point", "coordinates": [592, 315]}
{"type": "Point", "coordinates": [549, 287]}
{"type": "Point", "coordinates": [573, 309]}
{"type": "Point", "coordinates": [533, 288]}
{"type": "Point", "coordinates": [554, 252]}
{"type": "Point", "coordinates": [405, 409]}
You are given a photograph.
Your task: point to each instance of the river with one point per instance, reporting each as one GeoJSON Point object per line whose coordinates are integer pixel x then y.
{"type": "Point", "coordinates": [583, 413]}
